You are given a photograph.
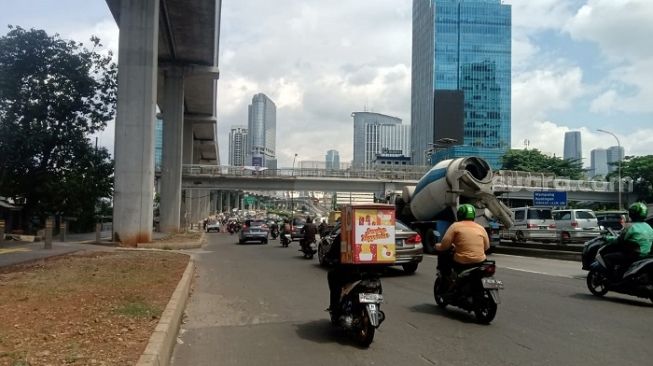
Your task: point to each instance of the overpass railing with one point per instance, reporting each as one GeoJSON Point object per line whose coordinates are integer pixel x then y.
{"type": "Point", "coordinates": [409, 173]}
{"type": "Point", "coordinates": [511, 181]}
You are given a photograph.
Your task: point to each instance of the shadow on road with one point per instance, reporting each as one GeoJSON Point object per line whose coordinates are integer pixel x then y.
{"type": "Point", "coordinates": [641, 302]}
{"type": "Point", "coordinates": [321, 331]}
{"type": "Point", "coordinates": [450, 312]}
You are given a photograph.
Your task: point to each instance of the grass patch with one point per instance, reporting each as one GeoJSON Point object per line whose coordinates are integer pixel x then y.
{"type": "Point", "coordinates": [138, 309]}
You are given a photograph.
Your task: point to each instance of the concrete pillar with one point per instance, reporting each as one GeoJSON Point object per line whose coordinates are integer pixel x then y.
{"type": "Point", "coordinates": [133, 215]}
{"type": "Point", "coordinates": [241, 201]}
{"type": "Point", "coordinates": [220, 203]}
{"type": "Point", "coordinates": [49, 225]}
{"type": "Point", "coordinates": [2, 230]}
{"type": "Point", "coordinates": [171, 162]}
{"type": "Point", "coordinates": [63, 228]}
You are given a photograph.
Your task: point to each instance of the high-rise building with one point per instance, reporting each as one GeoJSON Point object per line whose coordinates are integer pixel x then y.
{"type": "Point", "coordinates": [598, 162]}
{"type": "Point", "coordinates": [158, 142]}
{"type": "Point", "coordinates": [262, 132]}
{"type": "Point", "coordinates": [238, 147]}
{"type": "Point", "coordinates": [573, 148]}
{"type": "Point", "coordinates": [332, 160]}
{"type": "Point", "coordinates": [461, 45]}
{"type": "Point", "coordinates": [374, 132]}
{"type": "Point", "coordinates": [615, 154]}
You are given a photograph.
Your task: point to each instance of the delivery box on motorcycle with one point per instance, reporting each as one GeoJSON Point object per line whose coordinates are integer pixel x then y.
{"type": "Point", "coordinates": [368, 234]}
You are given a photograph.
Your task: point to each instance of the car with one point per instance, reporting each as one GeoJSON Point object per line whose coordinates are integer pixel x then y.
{"type": "Point", "coordinates": [409, 251]}
{"type": "Point", "coordinates": [614, 220]}
{"type": "Point", "coordinates": [531, 223]}
{"type": "Point", "coordinates": [576, 225]}
{"type": "Point", "coordinates": [213, 226]}
{"type": "Point", "coordinates": [296, 227]}
{"type": "Point", "coordinates": [254, 230]}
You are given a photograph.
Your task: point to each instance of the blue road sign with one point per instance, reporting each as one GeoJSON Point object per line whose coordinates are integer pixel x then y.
{"type": "Point", "coordinates": [551, 198]}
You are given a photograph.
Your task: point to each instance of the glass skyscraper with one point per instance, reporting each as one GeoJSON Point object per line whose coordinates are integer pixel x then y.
{"type": "Point", "coordinates": [237, 145]}
{"type": "Point", "coordinates": [332, 160]}
{"type": "Point", "coordinates": [262, 132]}
{"type": "Point", "coordinates": [462, 45]}
{"type": "Point", "coordinates": [573, 148]}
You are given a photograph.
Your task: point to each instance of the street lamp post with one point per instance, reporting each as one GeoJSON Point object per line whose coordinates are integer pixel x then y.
{"type": "Point", "coordinates": [292, 191]}
{"type": "Point", "coordinates": [619, 161]}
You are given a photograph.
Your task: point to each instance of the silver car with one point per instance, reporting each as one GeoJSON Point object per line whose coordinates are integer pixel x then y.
{"type": "Point", "coordinates": [576, 225]}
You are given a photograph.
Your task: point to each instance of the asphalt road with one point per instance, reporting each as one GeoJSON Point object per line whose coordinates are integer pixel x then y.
{"type": "Point", "coordinates": [264, 305]}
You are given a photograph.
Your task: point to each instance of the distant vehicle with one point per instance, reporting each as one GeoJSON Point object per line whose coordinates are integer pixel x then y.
{"type": "Point", "coordinates": [532, 223]}
{"type": "Point", "coordinates": [614, 220]}
{"type": "Point", "coordinates": [296, 228]}
{"type": "Point", "coordinates": [254, 230]}
{"type": "Point", "coordinates": [213, 226]}
{"type": "Point", "coordinates": [576, 224]}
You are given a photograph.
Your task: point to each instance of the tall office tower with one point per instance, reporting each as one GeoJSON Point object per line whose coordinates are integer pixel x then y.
{"type": "Point", "coordinates": [262, 132]}
{"type": "Point", "coordinates": [573, 148]}
{"type": "Point", "coordinates": [374, 132]}
{"type": "Point", "coordinates": [464, 46]}
{"type": "Point", "coordinates": [238, 147]}
{"type": "Point", "coordinates": [158, 142]}
{"type": "Point", "coordinates": [599, 162]}
{"type": "Point", "coordinates": [332, 160]}
{"type": "Point", "coordinates": [615, 154]}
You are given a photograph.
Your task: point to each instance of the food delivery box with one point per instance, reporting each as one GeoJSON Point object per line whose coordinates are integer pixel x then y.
{"type": "Point", "coordinates": [368, 234]}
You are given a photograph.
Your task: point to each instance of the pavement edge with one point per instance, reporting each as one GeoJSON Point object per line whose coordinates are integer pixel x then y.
{"type": "Point", "coordinates": [162, 342]}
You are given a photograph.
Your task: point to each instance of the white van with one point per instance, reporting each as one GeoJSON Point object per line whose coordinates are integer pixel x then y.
{"type": "Point", "coordinates": [576, 224]}
{"type": "Point", "coordinates": [532, 223]}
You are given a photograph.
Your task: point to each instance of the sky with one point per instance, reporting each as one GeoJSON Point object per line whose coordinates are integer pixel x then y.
{"type": "Point", "coordinates": [578, 65]}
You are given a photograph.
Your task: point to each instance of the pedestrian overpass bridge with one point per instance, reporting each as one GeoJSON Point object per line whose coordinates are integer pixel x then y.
{"type": "Point", "coordinates": [507, 184]}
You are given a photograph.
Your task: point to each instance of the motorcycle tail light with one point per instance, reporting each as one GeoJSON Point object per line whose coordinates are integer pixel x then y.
{"type": "Point", "coordinates": [414, 239]}
{"type": "Point", "coordinates": [489, 269]}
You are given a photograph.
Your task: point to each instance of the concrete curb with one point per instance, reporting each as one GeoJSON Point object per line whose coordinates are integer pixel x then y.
{"type": "Point", "coordinates": [174, 246]}
{"type": "Point", "coordinates": [539, 253]}
{"type": "Point", "coordinates": [162, 342]}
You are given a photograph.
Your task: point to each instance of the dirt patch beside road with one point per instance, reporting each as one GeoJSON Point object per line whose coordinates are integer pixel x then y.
{"type": "Point", "coordinates": [85, 309]}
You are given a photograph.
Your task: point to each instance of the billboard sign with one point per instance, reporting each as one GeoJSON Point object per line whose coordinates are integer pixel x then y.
{"type": "Point", "coordinates": [550, 198]}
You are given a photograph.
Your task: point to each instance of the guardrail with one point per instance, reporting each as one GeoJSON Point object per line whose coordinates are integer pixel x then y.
{"type": "Point", "coordinates": [414, 173]}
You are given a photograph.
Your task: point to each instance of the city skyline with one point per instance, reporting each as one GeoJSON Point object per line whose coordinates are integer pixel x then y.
{"type": "Point", "coordinates": [374, 132]}
{"type": "Point", "coordinates": [577, 65]}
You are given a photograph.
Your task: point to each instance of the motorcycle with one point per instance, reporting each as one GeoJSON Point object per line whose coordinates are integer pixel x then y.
{"type": "Point", "coordinates": [309, 249]}
{"type": "Point", "coordinates": [360, 308]}
{"type": "Point", "coordinates": [474, 290]}
{"type": "Point", "coordinates": [636, 280]}
{"type": "Point", "coordinates": [285, 240]}
{"type": "Point", "coordinates": [274, 233]}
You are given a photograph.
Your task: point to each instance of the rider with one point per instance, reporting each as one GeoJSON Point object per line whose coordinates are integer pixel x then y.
{"type": "Point", "coordinates": [339, 275]}
{"type": "Point", "coordinates": [309, 230]}
{"type": "Point", "coordinates": [633, 243]}
{"type": "Point", "coordinates": [469, 240]}
{"type": "Point", "coordinates": [322, 228]}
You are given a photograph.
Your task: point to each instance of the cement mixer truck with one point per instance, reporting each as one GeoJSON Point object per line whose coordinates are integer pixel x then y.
{"type": "Point", "coordinates": [430, 206]}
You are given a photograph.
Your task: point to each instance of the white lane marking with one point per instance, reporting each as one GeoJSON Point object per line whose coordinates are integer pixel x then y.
{"type": "Point", "coordinates": [576, 276]}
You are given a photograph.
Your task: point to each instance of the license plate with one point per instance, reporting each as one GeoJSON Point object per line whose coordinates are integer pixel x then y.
{"type": "Point", "coordinates": [491, 283]}
{"type": "Point", "coordinates": [543, 227]}
{"type": "Point", "coordinates": [370, 298]}
{"type": "Point", "coordinates": [399, 243]}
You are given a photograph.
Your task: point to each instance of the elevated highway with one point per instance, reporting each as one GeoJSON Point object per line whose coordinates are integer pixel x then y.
{"type": "Point", "coordinates": [507, 184]}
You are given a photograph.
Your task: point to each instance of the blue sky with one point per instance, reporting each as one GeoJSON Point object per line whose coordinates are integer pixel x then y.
{"type": "Point", "coordinates": [577, 65]}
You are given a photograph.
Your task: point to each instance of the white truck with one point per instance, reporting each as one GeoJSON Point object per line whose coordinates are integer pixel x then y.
{"type": "Point", "coordinates": [430, 207]}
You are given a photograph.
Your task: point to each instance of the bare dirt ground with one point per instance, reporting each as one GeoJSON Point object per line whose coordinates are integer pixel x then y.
{"type": "Point", "coordinates": [85, 309]}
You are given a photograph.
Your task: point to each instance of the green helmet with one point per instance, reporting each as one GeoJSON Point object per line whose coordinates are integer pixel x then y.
{"type": "Point", "coordinates": [638, 212]}
{"type": "Point", "coordinates": [466, 212]}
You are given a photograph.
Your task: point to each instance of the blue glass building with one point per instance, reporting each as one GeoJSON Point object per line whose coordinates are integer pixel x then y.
{"type": "Point", "coordinates": [462, 45]}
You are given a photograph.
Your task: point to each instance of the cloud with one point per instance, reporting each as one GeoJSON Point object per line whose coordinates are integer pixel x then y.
{"type": "Point", "coordinates": [539, 91]}
{"type": "Point", "coordinates": [622, 30]}
{"type": "Point", "coordinates": [537, 15]}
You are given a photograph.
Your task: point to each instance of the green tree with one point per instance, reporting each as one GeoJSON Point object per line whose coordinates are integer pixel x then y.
{"type": "Point", "coordinates": [640, 170]}
{"type": "Point", "coordinates": [535, 161]}
{"type": "Point", "coordinates": [53, 94]}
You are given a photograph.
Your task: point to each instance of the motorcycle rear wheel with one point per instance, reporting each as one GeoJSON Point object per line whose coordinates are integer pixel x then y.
{"type": "Point", "coordinates": [485, 309]}
{"type": "Point", "coordinates": [437, 293]}
{"type": "Point", "coordinates": [364, 334]}
{"type": "Point", "coordinates": [596, 283]}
